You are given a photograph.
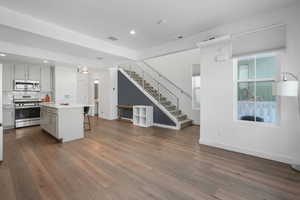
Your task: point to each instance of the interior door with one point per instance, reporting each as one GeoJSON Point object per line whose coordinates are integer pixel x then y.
{"type": "Point", "coordinates": [96, 98]}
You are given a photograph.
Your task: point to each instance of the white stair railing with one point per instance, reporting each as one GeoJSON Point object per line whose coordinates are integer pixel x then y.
{"type": "Point", "coordinates": [151, 85]}
{"type": "Point", "coordinates": [164, 79]}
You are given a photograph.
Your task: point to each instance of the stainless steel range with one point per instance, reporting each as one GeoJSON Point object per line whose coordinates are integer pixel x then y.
{"type": "Point", "coordinates": [27, 112]}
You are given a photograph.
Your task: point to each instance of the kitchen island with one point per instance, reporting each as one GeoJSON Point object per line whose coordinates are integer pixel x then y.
{"type": "Point", "coordinates": [64, 122]}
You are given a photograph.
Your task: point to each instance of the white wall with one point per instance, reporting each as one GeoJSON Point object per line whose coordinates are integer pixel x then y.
{"type": "Point", "coordinates": [178, 69]}
{"type": "Point", "coordinates": [83, 92]}
{"type": "Point", "coordinates": [1, 94]}
{"type": "Point", "coordinates": [108, 95]}
{"type": "Point", "coordinates": [218, 127]}
{"type": "Point", "coordinates": [107, 91]}
{"type": "Point", "coordinates": [65, 84]}
{"type": "Point", "coordinates": [1, 113]}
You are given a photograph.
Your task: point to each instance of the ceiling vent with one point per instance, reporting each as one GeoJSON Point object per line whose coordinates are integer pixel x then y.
{"type": "Point", "coordinates": [99, 58]}
{"type": "Point", "coordinates": [112, 38]}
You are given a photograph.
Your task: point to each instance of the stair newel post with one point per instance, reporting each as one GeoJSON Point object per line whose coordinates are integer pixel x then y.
{"type": "Point", "coordinates": [177, 103]}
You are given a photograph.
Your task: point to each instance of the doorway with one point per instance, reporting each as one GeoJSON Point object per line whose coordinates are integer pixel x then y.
{"type": "Point", "coordinates": [96, 97]}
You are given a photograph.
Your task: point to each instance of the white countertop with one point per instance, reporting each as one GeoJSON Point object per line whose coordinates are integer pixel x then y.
{"type": "Point", "coordinates": [59, 106]}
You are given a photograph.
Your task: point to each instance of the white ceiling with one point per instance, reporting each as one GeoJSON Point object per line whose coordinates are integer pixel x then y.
{"type": "Point", "coordinates": [103, 18]}
{"type": "Point", "coordinates": [11, 58]}
{"type": "Point", "coordinates": [24, 38]}
{"type": "Point", "coordinates": [15, 59]}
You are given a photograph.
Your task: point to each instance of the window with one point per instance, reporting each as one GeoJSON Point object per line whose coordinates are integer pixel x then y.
{"type": "Point", "coordinates": [196, 91]}
{"type": "Point", "coordinates": [196, 81]}
{"type": "Point", "coordinates": [255, 77]}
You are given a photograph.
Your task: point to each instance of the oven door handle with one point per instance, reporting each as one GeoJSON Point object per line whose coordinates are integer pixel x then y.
{"type": "Point", "coordinates": [26, 107]}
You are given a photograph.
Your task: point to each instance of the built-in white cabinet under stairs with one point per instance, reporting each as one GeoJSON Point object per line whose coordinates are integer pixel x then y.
{"type": "Point", "coordinates": [161, 99]}
{"type": "Point", "coordinates": [143, 116]}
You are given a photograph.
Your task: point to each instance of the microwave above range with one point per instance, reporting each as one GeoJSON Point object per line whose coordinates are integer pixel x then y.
{"type": "Point", "coordinates": [26, 85]}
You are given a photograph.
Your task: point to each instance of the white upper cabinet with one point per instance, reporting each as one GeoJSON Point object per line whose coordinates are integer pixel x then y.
{"type": "Point", "coordinates": [8, 77]}
{"type": "Point", "coordinates": [34, 73]}
{"type": "Point", "coordinates": [13, 72]}
{"type": "Point", "coordinates": [27, 72]}
{"type": "Point", "coordinates": [46, 79]}
{"type": "Point", "coordinates": [20, 72]}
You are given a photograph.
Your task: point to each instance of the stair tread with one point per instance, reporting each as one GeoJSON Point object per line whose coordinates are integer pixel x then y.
{"type": "Point", "coordinates": [185, 121]}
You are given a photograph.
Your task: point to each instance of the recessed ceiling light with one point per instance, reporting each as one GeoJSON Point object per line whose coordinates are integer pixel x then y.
{"type": "Point", "coordinates": [45, 61]}
{"type": "Point", "coordinates": [132, 32]}
{"type": "Point", "coordinates": [179, 37]}
{"type": "Point", "coordinates": [99, 58]}
{"type": "Point", "coordinates": [2, 54]}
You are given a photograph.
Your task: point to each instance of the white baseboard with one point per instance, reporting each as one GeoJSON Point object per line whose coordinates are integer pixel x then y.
{"type": "Point", "coordinates": [129, 119]}
{"type": "Point", "coordinates": [107, 118]}
{"type": "Point", "coordinates": [166, 126]}
{"type": "Point", "coordinates": [279, 158]}
{"type": "Point", "coordinates": [8, 127]}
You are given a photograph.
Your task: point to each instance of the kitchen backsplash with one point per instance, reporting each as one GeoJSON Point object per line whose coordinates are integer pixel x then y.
{"type": "Point", "coordinates": [9, 96]}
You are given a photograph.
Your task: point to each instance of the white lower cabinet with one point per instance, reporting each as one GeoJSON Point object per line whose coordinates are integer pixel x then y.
{"type": "Point", "coordinates": [8, 77]}
{"type": "Point", "coordinates": [143, 116]}
{"type": "Point", "coordinates": [8, 117]}
{"type": "Point", "coordinates": [49, 121]}
{"type": "Point", "coordinates": [53, 125]}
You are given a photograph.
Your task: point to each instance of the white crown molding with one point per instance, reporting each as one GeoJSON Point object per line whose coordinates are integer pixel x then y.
{"type": "Point", "coordinates": [216, 40]}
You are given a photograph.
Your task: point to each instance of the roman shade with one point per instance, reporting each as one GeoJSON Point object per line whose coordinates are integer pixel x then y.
{"type": "Point", "coordinates": [259, 41]}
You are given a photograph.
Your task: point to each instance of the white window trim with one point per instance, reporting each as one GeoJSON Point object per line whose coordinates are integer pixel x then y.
{"type": "Point", "coordinates": [193, 92]}
{"type": "Point", "coordinates": [279, 55]}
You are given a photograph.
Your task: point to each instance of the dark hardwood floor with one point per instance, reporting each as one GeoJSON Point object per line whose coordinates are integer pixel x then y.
{"type": "Point", "coordinates": [118, 161]}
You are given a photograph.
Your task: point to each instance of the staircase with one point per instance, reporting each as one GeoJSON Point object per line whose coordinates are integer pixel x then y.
{"type": "Point", "coordinates": [161, 96]}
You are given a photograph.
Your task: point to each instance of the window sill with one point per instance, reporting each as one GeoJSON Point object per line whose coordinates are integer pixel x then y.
{"type": "Point", "coordinates": [257, 124]}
